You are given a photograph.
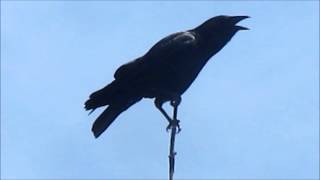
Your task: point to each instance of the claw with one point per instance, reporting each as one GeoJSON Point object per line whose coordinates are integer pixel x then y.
{"type": "Point", "coordinates": [168, 127]}
{"type": "Point", "coordinates": [174, 124]}
{"type": "Point", "coordinates": [179, 129]}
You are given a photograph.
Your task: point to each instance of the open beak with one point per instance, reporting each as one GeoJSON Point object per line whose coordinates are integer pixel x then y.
{"type": "Point", "coordinates": [236, 19]}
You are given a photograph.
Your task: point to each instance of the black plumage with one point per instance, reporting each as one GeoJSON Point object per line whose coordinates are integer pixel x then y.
{"type": "Point", "coordinates": [165, 72]}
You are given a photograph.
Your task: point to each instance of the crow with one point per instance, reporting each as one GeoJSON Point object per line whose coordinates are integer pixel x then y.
{"type": "Point", "coordinates": [165, 72]}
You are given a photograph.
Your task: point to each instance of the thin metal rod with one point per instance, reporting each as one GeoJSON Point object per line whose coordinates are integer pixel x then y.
{"type": "Point", "coordinates": [174, 123]}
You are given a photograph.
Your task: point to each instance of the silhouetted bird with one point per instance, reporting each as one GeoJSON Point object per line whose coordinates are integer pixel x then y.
{"type": "Point", "coordinates": [165, 72]}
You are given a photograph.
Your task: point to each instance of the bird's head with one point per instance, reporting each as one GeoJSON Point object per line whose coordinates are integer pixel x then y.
{"type": "Point", "coordinates": [222, 25]}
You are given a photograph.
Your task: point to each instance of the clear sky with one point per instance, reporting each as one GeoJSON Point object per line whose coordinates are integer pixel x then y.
{"type": "Point", "coordinates": [253, 112]}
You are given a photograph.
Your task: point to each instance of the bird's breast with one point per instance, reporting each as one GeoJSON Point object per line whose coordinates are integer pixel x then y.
{"type": "Point", "coordinates": [184, 72]}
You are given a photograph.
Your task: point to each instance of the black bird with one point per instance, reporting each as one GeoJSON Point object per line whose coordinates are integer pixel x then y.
{"type": "Point", "coordinates": [165, 72]}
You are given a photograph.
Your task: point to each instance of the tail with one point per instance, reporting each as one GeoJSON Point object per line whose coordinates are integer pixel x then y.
{"type": "Point", "coordinates": [111, 113]}
{"type": "Point", "coordinates": [102, 97]}
{"type": "Point", "coordinates": [118, 97]}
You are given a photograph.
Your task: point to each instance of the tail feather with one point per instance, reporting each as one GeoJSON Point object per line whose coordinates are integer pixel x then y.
{"type": "Point", "coordinates": [110, 114]}
{"type": "Point", "coordinates": [101, 97]}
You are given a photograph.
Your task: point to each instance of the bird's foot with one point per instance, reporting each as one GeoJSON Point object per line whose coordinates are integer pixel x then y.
{"type": "Point", "coordinates": [174, 124]}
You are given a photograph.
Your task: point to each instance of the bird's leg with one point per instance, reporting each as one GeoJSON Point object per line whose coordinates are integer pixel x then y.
{"type": "Point", "coordinates": [158, 103]}
{"type": "Point", "coordinates": [175, 101]}
{"type": "Point", "coordinates": [175, 122]}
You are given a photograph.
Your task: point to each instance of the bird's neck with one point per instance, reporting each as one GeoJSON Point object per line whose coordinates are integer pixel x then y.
{"type": "Point", "coordinates": [213, 43]}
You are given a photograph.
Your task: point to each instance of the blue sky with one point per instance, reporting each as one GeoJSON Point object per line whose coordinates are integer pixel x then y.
{"type": "Point", "coordinates": [253, 112]}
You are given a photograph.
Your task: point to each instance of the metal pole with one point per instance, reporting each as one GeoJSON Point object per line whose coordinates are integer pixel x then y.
{"type": "Point", "coordinates": [174, 123]}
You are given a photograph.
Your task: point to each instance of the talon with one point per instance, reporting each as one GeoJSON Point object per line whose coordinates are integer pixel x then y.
{"type": "Point", "coordinates": [179, 129]}
{"type": "Point", "coordinates": [174, 123]}
{"type": "Point", "coordinates": [178, 126]}
{"type": "Point", "coordinates": [168, 127]}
